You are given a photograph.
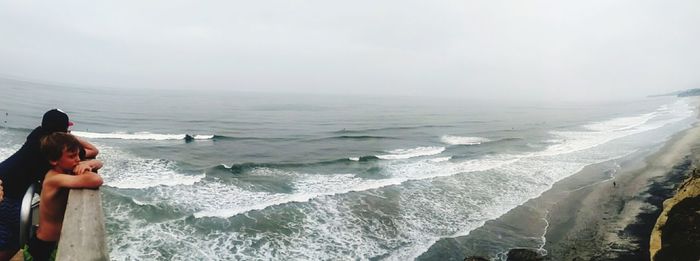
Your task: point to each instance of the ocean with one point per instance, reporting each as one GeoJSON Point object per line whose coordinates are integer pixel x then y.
{"type": "Point", "coordinates": [323, 177]}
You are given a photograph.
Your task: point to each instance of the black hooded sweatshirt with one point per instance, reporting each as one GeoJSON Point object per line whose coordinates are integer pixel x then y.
{"type": "Point", "coordinates": [27, 166]}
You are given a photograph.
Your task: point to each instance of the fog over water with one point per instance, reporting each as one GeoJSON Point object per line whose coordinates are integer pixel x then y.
{"type": "Point", "coordinates": [487, 50]}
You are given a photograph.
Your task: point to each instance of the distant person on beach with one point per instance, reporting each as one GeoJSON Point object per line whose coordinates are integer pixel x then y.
{"type": "Point", "coordinates": [67, 171]}
{"type": "Point", "coordinates": [25, 167]}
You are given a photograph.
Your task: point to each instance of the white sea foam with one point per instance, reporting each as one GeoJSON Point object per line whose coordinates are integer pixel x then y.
{"type": "Point", "coordinates": [411, 153]}
{"type": "Point", "coordinates": [177, 239]}
{"type": "Point", "coordinates": [620, 124]}
{"type": "Point", "coordinates": [7, 152]}
{"type": "Point", "coordinates": [138, 136]}
{"type": "Point", "coordinates": [308, 189]}
{"type": "Point", "coordinates": [328, 220]}
{"type": "Point", "coordinates": [459, 140]}
{"type": "Point", "coordinates": [605, 131]}
{"type": "Point", "coordinates": [441, 159]}
{"type": "Point", "coordinates": [354, 158]}
{"type": "Point", "coordinates": [7, 146]}
{"type": "Point", "coordinates": [170, 178]}
{"type": "Point", "coordinates": [308, 186]}
{"type": "Point", "coordinates": [124, 170]}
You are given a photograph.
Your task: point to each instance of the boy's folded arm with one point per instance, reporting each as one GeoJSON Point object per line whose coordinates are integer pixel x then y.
{"type": "Point", "coordinates": [87, 166]}
{"type": "Point", "coordinates": [87, 180]}
{"type": "Point", "coordinates": [94, 164]}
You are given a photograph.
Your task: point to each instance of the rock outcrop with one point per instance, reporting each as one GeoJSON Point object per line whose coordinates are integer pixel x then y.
{"type": "Point", "coordinates": [676, 235]}
{"type": "Point", "coordinates": [522, 254]}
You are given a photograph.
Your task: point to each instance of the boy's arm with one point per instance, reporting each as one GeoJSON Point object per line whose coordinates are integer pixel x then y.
{"type": "Point", "coordinates": [90, 150]}
{"type": "Point", "coordinates": [2, 194]}
{"type": "Point", "coordinates": [87, 180]}
{"type": "Point", "coordinates": [86, 166]}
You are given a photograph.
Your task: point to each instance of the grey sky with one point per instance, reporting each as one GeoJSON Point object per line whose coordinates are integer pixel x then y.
{"type": "Point", "coordinates": [520, 49]}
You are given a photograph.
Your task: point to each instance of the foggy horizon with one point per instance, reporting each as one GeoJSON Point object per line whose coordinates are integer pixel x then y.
{"type": "Point", "coordinates": [481, 50]}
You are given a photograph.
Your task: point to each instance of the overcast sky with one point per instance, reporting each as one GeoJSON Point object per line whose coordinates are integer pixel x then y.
{"type": "Point", "coordinates": [520, 49]}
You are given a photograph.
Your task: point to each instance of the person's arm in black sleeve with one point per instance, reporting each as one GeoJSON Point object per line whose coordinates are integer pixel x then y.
{"type": "Point", "coordinates": [90, 150]}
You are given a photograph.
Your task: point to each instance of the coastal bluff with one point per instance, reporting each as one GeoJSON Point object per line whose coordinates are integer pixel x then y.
{"type": "Point", "coordinates": [676, 235]}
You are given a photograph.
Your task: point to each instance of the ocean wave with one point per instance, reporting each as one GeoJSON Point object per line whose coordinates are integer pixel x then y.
{"type": "Point", "coordinates": [411, 153]}
{"type": "Point", "coordinates": [460, 140]}
{"type": "Point", "coordinates": [441, 159]}
{"type": "Point", "coordinates": [222, 137]}
{"type": "Point", "coordinates": [346, 131]}
{"type": "Point", "coordinates": [598, 133]}
{"type": "Point", "coordinates": [315, 232]}
{"type": "Point", "coordinates": [198, 194]}
{"type": "Point", "coordinates": [354, 137]}
{"type": "Point", "coordinates": [138, 136]}
{"type": "Point", "coordinates": [238, 168]}
{"type": "Point", "coordinates": [308, 186]}
{"type": "Point", "coordinates": [126, 171]}
{"type": "Point", "coordinates": [17, 129]}
{"type": "Point", "coordinates": [361, 137]}
{"type": "Point", "coordinates": [620, 124]}
{"type": "Point", "coordinates": [364, 158]}
{"type": "Point", "coordinates": [170, 178]}
{"type": "Point", "coordinates": [679, 108]}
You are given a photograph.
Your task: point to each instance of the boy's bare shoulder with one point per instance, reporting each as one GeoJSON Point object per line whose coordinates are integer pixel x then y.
{"type": "Point", "coordinates": [52, 176]}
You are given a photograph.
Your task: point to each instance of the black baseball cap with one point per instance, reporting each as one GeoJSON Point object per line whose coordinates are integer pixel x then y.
{"type": "Point", "coordinates": [55, 120]}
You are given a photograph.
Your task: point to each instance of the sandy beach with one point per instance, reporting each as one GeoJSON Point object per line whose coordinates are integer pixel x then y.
{"type": "Point", "coordinates": [614, 222]}
{"type": "Point", "coordinates": [604, 212]}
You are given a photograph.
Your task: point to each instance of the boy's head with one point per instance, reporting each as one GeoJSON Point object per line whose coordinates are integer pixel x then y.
{"type": "Point", "coordinates": [61, 149]}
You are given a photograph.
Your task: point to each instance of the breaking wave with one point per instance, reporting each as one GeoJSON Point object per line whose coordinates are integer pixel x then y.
{"type": "Point", "coordinates": [138, 136]}
{"type": "Point", "coordinates": [459, 140]}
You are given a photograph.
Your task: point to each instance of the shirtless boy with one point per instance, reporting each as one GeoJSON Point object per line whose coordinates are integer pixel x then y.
{"type": "Point", "coordinates": [23, 168]}
{"type": "Point", "coordinates": [67, 172]}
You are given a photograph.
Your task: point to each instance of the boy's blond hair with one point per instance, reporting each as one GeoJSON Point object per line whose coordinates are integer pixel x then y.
{"type": "Point", "coordinates": [52, 145]}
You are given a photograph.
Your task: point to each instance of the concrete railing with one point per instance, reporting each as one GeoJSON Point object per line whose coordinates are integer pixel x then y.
{"type": "Point", "coordinates": [83, 232]}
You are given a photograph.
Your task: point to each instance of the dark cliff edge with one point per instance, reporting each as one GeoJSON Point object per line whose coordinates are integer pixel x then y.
{"type": "Point", "coordinates": [676, 235]}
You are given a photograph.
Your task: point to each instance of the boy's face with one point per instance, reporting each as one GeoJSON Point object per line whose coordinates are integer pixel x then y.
{"type": "Point", "coordinates": [68, 160]}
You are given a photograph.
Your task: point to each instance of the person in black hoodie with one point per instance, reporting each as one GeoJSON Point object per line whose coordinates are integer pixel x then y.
{"type": "Point", "coordinates": [25, 167]}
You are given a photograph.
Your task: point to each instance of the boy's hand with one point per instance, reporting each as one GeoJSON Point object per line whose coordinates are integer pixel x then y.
{"type": "Point", "coordinates": [81, 168]}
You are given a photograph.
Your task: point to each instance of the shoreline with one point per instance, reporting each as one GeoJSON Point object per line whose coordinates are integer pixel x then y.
{"type": "Point", "coordinates": [617, 222]}
{"type": "Point", "coordinates": [606, 211]}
